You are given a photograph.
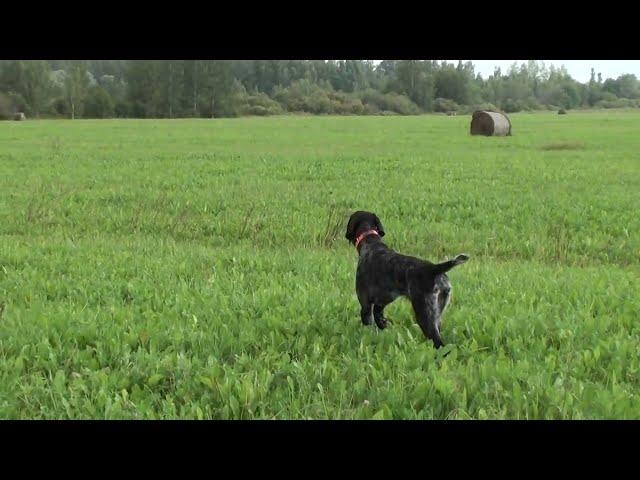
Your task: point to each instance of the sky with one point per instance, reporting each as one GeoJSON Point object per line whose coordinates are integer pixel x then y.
{"type": "Point", "coordinates": [580, 70]}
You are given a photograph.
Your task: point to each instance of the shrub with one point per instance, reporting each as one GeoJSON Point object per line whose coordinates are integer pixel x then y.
{"type": "Point", "coordinates": [255, 110]}
{"type": "Point", "coordinates": [469, 109]}
{"type": "Point", "coordinates": [12, 103]}
{"type": "Point", "coordinates": [511, 106]}
{"type": "Point", "coordinates": [392, 102]}
{"type": "Point", "coordinates": [617, 103]}
{"type": "Point", "coordinates": [256, 104]}
{"type": "Point", "coordinates": [445, 105]}
{"type": "Point", "coordinates": [531, 103]}
{"type": "Point", "coordinates": [122, 109]}
{"type": "Point", "coordinates": [58, 107]}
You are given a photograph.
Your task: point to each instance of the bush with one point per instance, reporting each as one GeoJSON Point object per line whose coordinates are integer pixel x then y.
{"type": "Point", "coordinates": [445, 105]}
{"type": "Point", "coordinates": [531, 103]}
{"type": "Point", "coordinates": [138, 109]}
{"type": "Point", "coordinates": [469, 109]}
{"type": "Point", "coordinates": [618, 103]}
{"type": "Point", "coordinates": [296, 97]}
{"type": "Point", "coordinates": [511, 106]}
{"type": "Point", "coordinates": [122, 109]}
{"type": "Point", "coordinates": [371, 109]}
{"type": "Point", "coordinates": [344, 104]}
{"type": "Point", "coordinates": [18, 103]}
{"type": "Point", "coordinates": [255, 110]}
{"type": "Point", "coordinates": [392, 102]}
{"type": "Point", "coordinates": [317, 102]}
{"type": "Point", "coordinates": [608, 97]}
{"type": "Point", "coordinates": [256, 104]}
{"type": "Point", "coordinates": [58, 107]}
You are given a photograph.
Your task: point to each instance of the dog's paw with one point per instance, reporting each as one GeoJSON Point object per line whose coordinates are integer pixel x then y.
{"type": "Point", "coordinates": [461, 258]}
{"type": "Point", "coordinates": [381, 323]}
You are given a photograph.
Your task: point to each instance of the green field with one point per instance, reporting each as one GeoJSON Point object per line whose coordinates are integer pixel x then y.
{"type": "Point", "coordinates": [198, 268]}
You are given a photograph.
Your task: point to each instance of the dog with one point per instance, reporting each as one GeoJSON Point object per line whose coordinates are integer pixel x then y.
{"type": "Point", "coordinates": [384, 275]}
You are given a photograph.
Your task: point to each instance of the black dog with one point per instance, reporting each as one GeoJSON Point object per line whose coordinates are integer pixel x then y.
{"type": "Point", "coordinates": [383, 275]}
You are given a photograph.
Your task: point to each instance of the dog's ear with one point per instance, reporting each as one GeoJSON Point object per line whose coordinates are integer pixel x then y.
{"type": "Point", "coordinates": [379, 226]}
{"type": "Point", "coordinates": [351, 229]}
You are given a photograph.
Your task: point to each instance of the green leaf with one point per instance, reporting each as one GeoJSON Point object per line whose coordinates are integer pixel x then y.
{"type": "Point", "coordinates": [379, 415]}
{"type": "Point", "coordinates": [155, 379]}
{"type": "Point", "coordinates": [59, 381]}
{"type": "Point", "coordinates": [235, 406]}
{"type": "Point", "coordinates": [206, 381]}
{"type": "Point", "coordinates": [19, 364]}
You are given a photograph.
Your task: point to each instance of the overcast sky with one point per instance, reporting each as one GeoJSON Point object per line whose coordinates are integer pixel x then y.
{"type": "Point", "coordinates": [580, 70]}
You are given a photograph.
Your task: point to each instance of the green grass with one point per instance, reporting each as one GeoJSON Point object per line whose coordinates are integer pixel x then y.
{"type": "Point", "coordinates": [198, 268]}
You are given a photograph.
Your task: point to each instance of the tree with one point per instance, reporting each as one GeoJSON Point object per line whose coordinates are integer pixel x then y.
{"type": "Point", "coordinates": [99, 104]}
{"type": "Point", "coordinates": [140, 78]}
{"type": "Point", "coordinates": [76, 87]}
{"type": "Point", "coordinates": [11, 76]}
{"type": "Point", "coordinates": [216, 87]}
{"type": "Point", "coordinates": [30, 79]}
{"type": "Point", "coordinates": [453, 84]}
{"type": "Point", "coordinates": [169, 88]}
{"type": "Point", "coordinates": [626, 86]}
{"type": "Point", "coordinates": [192, 74]}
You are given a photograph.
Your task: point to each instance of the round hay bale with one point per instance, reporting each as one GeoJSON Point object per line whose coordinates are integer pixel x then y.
{"type": "Point", "coordinates": [19, 117]}
{"type": "Point", "coordinates": [490, 123]}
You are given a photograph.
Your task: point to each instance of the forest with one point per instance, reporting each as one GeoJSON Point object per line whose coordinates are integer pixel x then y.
{"type": "Point", "coordinates": [230, 88]}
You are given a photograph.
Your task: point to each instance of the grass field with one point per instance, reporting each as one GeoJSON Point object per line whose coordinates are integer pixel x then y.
{"type": "Point", "coordinates": [198, 268]}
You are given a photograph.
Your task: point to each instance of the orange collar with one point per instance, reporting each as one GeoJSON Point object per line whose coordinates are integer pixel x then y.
{"type": "Point", "coordinates": [365, 234]}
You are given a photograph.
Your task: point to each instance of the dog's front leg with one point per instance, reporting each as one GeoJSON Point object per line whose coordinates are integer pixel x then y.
{"type": "Point", "coordinates": [426, 316]}
{"type": "Point", "coordinates": [365, 310]}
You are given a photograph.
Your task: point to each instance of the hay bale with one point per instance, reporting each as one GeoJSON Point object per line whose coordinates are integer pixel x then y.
{"type": "Point", "coordinates": [490, 123]}
{"type": "Point", "coordinates": [19, 116]}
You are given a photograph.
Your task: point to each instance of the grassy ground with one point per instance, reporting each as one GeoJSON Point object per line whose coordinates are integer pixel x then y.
{"type": "Point", "coordinates": [198, 268]}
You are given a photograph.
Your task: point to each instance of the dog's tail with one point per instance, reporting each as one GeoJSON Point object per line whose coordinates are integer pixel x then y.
{"type": "Point", "coordinates": [448, 265]}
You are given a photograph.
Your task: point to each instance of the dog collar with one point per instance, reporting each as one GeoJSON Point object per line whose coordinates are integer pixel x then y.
{"type": "Point", "coordinates": [365, 234]}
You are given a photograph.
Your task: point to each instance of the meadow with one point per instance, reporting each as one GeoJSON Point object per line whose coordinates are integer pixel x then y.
{"type": "Point", "coordinates": [197, 269]}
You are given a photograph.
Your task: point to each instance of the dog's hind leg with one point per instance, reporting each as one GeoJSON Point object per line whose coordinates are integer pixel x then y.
{"type": "Point", "coordinates": [378, 316]}
{"type": "Point", "coordinates": [427, 316]}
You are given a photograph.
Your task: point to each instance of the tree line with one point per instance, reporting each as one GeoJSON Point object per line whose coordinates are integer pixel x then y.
{"type": "Point", "coordinates": [227, 88]}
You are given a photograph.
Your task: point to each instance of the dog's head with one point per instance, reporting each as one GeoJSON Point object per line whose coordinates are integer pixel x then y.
{"type": "Point", "coordinates": [361, 221]}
